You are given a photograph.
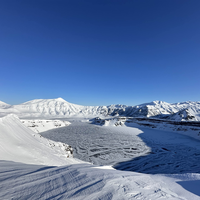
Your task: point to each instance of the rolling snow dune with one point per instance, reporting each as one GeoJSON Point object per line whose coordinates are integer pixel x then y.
{"type": "Point", "coordinates": [20, 144]}
{"type": "Point", "coordinates": [84, 181]}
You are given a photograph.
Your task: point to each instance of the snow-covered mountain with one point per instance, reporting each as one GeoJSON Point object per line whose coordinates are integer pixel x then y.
{"type": "Point", "coordinates": [161, 109]}
{"type": "Point", "coordinates": [6, 109]}
{"type": "Point", "coordinates": [185, 111]}
{"type": "Point", "coordinates": [61, 108]}
{"type": "Point", "coordinates": [4, 105]}
{"type": "Point", "coordinates": [187, 114]}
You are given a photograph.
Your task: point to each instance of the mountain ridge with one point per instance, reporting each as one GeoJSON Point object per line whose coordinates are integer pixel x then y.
{"type": "Point", "coordinates": [61, 108]}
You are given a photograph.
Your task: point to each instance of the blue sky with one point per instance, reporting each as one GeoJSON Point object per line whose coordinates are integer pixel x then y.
{"type": "Point", "coordinates": [100, 52]}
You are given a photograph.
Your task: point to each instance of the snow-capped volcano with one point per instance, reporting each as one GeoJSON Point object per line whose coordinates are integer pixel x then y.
{"type": "Point", "coordinates": [49, 107]}
{"type": "Point", "coordinates": [61, 108]}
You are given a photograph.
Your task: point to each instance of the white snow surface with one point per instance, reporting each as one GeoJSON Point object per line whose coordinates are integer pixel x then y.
{"type": "Point", "coordinates": [4, 105]}
{"type": "Point", "coordinates": [188, 114]}
{"type": "Point", "coordinates": [84, 181]}
{"type": "Point", "coordinates": [189, 129]}
{"type": "Point", "coordinates": [55, 108]}
{"type": "Point", "coordinates": [20, 144]}
{"type": "Point", "coordinates": [160, 107]}
{"type": "Point", "coordinates": [27, 172]}
{"type": "Point", "coordinates": [60, 108]}
{"type": "Point", "coordinates": [41, 125]}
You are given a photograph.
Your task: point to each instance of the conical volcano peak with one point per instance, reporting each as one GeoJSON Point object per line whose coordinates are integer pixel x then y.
{"type": "Point", "coordinates": [60, 99]}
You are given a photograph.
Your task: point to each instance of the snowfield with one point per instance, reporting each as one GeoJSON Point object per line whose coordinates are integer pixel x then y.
{"type": "Point", "coordinates": [84, 181]}
{"type": "Point", "coordinates": [42, 125]}
{"type": "Point", "coordinates": [191, 129]}
{"type": "Point", "coordinates": [154, 160]}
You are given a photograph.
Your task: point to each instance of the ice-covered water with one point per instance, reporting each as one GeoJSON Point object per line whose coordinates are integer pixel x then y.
{"type": "Point", "coordinates": [99, 145]}
{"type": "Point", "coordinates": [135, 149]}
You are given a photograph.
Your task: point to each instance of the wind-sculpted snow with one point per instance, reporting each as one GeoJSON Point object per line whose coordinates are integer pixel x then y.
{"type": "Point", "coordinates": [48, 108]}
{"type": "Point", "coordinates": [84, 181]}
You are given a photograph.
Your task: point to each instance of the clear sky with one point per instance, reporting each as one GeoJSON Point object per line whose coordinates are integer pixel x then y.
{"type": "Point", "coordinates": [100, 52]}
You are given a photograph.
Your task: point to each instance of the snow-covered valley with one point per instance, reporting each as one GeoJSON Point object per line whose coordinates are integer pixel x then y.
{"type": "Point", "coordinates": [153, 160]}
{"type": "Point", "coordinates": [137, 148]}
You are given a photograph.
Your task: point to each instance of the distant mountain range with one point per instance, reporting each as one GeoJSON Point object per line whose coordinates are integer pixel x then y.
{"type": "Point", "coordinates": [50, 108]}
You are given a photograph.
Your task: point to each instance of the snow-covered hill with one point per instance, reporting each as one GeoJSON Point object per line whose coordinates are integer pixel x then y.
{"type": "Point", "coordinates": [20, 144]}
{"type": "Point", "coordinates": [4, 105]}
{"type": "Point", "coordinates": [49, 108]}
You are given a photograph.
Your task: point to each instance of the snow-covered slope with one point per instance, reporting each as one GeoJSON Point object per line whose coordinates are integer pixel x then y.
{"type": "Point", "coordinates": [74, 179]}
{"type": "Point", "coordinates": [60, 108]}
{"type": "Point", "coordinates": [56, 107]}
{"type": "Point", "coordinates": [4, 105]}
{"type": "Point", "coordinates": [41, 125]}
{"type": "Point", "coordinates": [84, 181]}
{"type": "Point", "coordinates": [160, 109]}
{"type": "Point", "coordinates": [187, 114]}
{"type": "Point", "coordinates": [6, 109]}
{"type": "Point", "coordinates": [20, 144]}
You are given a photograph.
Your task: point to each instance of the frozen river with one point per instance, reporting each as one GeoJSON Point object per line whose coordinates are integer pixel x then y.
{"type": "Point", "coordinates": [136, 149]}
